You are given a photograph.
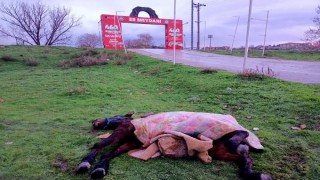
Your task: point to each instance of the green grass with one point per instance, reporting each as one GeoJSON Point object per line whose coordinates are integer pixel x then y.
{"type": "Point", "coordinates": [45, 115]}
{"type": "Point", "coordinates": [275, 54]}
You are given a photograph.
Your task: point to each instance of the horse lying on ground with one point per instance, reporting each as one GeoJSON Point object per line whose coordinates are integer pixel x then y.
{"type": "Point", "coordinates": [227, 140]}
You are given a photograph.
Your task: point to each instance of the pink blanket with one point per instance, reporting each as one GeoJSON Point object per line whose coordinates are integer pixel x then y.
{"type": "Point", "coordinates": [210, 125]}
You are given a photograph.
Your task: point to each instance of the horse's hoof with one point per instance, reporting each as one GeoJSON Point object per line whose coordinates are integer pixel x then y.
{"type": "Point", "coordinates": [242, 149]}
{"type": "Point", "coordinates": [83, 167]}
{"type": "Point", "coordinates": [98, 173]}
{"type": "Point", "coordinates": [265, 177]}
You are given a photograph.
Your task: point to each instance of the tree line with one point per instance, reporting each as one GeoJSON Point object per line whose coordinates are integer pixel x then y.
{"type": "Point", "coordinates": [93, 40]}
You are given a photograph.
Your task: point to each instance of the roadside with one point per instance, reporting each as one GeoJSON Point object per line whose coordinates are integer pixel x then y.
{"type": "Point", "coordinates": [305, 72]}
{"type": "Point", "coordinates": [310, 55]}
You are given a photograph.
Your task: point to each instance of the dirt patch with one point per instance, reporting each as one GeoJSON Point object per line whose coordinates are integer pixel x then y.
{"type": "Point", "coordinates": [293, 160]}
{"type": "Point", "coordinates": [61, 163]}
{"type": "Point", "coordinates": [316, 126]}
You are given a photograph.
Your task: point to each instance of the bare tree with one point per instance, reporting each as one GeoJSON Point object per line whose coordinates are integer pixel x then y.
{"type": "Point", "coordinates": [88, 40]}
{"type": "Point", "coordinates": [313, 34]}
{"type": "Point", "coordinates": [37, 24]}
{"type": "Point", "coordinates": [143, 41]}
{"type": "Point", "coordinates": [146, 40]}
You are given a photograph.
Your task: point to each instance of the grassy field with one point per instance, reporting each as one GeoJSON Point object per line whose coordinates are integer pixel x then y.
{"type": "Point", "coordinates": [46, 110]}
{"type": "Point", "coordinates": [276, 54]}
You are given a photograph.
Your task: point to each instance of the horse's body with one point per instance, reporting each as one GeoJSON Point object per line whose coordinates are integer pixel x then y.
{"type": "Point", "coordinates": [233, 145]}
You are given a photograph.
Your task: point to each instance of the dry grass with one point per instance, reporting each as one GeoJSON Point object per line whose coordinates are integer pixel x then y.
{"type": "Point", "coordinates": [85, 61]}
{"type": "Point", "coordinates": [256, 74]}
{"type": "Point", "coordinates": [121, 59]}
{"type": "Point", "coordinates": [32, 62]}
{"type": "Point", "coordinates": [77, 90]}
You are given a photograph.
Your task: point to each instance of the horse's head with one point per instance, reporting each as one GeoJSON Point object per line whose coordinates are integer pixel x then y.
{"type": "Point", "coordinates": [111, 122]}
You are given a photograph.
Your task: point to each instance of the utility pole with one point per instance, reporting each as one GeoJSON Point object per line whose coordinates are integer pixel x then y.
{"type": "Point", "coordinates": [175, 32]}
{"type": "Point", "coordinates": [234, 35]}
{"type": "Point", "coordinates": [265, 34]}
{"type": "Point", "coordinates": [247, 37]}
{"type": "Point", "coordinates": [198, 5]}
{"type": "Point", "coordinates": [204, 36]}
{"type": "Point", "coordinates": [265, 31]}
{"type": "Point", "coordinates": [192, 5]}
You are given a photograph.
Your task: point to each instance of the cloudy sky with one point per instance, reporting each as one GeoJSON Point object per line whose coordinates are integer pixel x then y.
{"type": "Point", "coordinates": [288, 19]}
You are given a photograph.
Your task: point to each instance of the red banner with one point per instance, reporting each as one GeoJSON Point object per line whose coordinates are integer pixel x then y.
{"type": "Point", "coordinates": [112, 30]}
{"type": "Point", "coordinates": [170, 35]}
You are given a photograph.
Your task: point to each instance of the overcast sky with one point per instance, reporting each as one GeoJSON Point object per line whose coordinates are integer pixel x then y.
{"type": "Point", "coordinates": [288, 19]}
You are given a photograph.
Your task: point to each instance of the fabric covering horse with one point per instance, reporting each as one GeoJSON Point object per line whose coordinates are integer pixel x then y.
{"type": "Point", "coordinates": [175, 134]}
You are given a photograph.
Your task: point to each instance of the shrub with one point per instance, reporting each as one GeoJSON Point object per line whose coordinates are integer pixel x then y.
{"type": "Point", "coordinates": [256, 74]}
{"type": "Point", "coordinates": [85, 61]}
{"type": "Point", "coordinates": [8, 58]}
{"type": "Point", "coordinates": [76, 90]}
{"type": "Point", "coordinates": [103, 57]}
{"type": "Point", "coordinates": [250, 75]}
{"type": "Point", "coordinates": [120, 58]}
{"type": "Point", "coordinates": [120, 61]}
{"type": "Point", "coordinates": [90, 52]}
{"type": "Point", "coordinates": [31, 62]}
{"type": "Point", "coordinates": [208, 71]}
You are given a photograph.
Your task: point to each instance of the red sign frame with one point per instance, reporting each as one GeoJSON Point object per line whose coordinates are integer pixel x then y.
{"type": "Point", "coordinates": [111, 26]}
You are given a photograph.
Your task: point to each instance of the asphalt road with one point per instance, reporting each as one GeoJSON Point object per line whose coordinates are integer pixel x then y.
{"type": "Point", "coordinates": [306, 72]}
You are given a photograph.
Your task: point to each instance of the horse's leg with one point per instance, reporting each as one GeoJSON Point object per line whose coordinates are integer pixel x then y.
{"type": "Point", "coordinates": [101, 169]}
{"type": "Point", "coordinates": [235, 145]}
{"type": "Point", "coordinates": [122, 132]}
{"type": "Point", "coordinates": [234, 142]}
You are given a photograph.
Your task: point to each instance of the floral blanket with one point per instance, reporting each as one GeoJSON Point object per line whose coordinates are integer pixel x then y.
{"type": "Point", "coordinates": [210, 125]}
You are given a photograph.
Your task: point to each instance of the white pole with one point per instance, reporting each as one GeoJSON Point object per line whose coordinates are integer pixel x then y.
{"type": "Point", "coordinates": [184, 36]}
{"type": "Point", "coordinates": [204, 37]}
{"type": "Point", "coordinates": [114, 22]}
{"type": "Point", "coordinates": [120, 26]}
{"type": "Point", "coordinates": [114, 31]}
{"type": "Point", "coordinates": [175, 34]}
{"type": "Point", "coordinates": [100, 35]}
{"type": "Point", "coordinates": [247, 37]}
{"type": "Point", "coordinates": [234, 35]}
{"type": "Point", "coordinates": [265, 34]}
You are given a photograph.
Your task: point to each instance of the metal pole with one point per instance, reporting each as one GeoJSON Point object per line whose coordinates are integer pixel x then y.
{"type": "Point", "coordinates": [247, 37]}
{"type": "Point", "coordinates": [265, 34]}
{"type": "Point", "coordinates": [175, 34]}
{"type": "Point", "coordinates": [100, 35]}
{"type": "Point", "coordinates": [120, 26]}
{"type": "Point", "coordinates": [234, 35]}
{"type": "Point", "coordinates": [114, 28]}
{"type": "Point", "coordinates": [198, 32]}
{"type": "Point", "coordinates": [184, 41]}
{"type": "Point", "coordinates": [204, 37]}
{"type": "Point", "coordinates": [184, 36]}
{"type": "Point", "coordinates": [114, 31]}
{"type": "Point", "coordinates": [192, 5]}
